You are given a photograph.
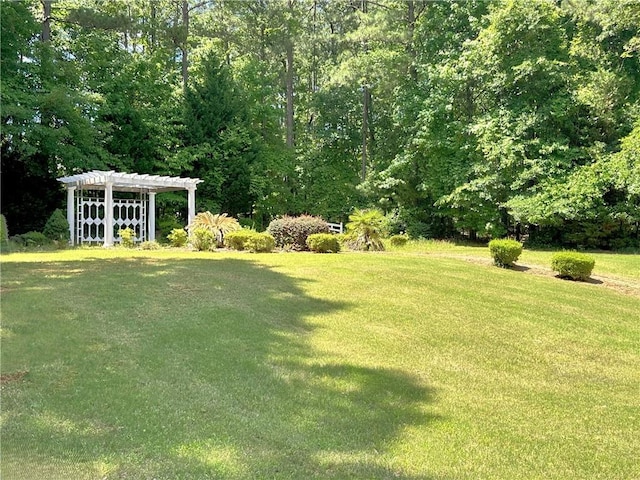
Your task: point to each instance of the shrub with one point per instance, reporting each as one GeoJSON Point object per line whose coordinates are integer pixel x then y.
{"type": "Point", "coordinates": [219, 225]}
{"type": "Point", "coordinates": [202, 239]}
{"type": "Point", "coordinates": [323, 243]}
{"type": "Point", "coordinates": [260, 242]}
{"type": "Point", "coordinates": [399, 240]}
{"type": "Point", "coordinates": [237, 240]}
{"type": "Point", "coordinates": [150, 245]}
{"type": "Point", "coordinates": [292, 232]}
{"type": "Point", "coordinates": [505, 251]}
{"type": "Point", "coordinates": [4, 232]}
{"type": "Point", "coordinates": [32, 239]}
{"type": "Point", "coordinates": [57, 227]}
{"type": "Point", "coordinates": [365, 229]}
{"type": "Point", "coordinates": [178, 237]}
{"type": "Point", "coordinates": [127, 237]}
{"type": "Point", "coordinates": [573, 265]}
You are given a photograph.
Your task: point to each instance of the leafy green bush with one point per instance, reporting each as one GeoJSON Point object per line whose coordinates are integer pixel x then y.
{"type": "Point", "coordinates": [4, 232]}
{"type": "Point", "coordinates": [292, 232]}
{"type": "Point", "coordinates": [398, 240]}
{"type": "Point", "coordinates": [202, 239]}
{"type": "Point", "coordinates": [57, 227]}
{"type": "Point", "coordinates": [150, 245]}
{"type": "Point", "coordinates": [32, 239]}
{"type": "Point", "coordinates": [127, 237]}
{"type": "Point", "coordinates": [505, 251]}
{"type": "Point", "coordinates": [323, 243]}
{"type": "Point", "coordinates": [237, 240]}
{"type": "Point", "coordinates": [178, 237]}
{"type": "Point", "coordinates": [366, 229]}
{"type": "Point", "coordinates": [260, 242]}
{"type": "Point", "coordinates": [573, 265]}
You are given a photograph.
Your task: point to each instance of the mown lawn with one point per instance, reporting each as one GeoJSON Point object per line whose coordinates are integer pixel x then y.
{"type": "Point", "coordinates": [408, 364]}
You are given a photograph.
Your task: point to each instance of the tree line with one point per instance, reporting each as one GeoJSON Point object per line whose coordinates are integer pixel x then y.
{"type": "Point", "coordinates": [473, 117]}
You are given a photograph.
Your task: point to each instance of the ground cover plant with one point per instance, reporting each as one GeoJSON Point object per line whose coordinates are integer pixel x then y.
{"type": "Point", "coordinates": [404, 364]}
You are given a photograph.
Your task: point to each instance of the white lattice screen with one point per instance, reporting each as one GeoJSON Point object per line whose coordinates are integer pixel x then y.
{"type": "Point", "coordinates": [127, 213]}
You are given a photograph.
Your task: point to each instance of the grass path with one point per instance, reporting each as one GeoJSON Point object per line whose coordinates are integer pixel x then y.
{"type": "Point", "coordinates": [176, 365]}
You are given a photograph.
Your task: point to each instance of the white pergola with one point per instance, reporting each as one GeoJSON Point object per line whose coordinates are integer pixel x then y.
{"type": "Point", "coordinates": [94, 218]}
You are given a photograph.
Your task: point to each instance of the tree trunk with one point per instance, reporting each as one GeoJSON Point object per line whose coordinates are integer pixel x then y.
{"type": "Point", "coordinates": [365, 129]}
{"type": "Point", "coordinates": [183, 46]}
{"type": "Point", "coordinates": [46, 21]}
{"type": "Point", "coordinates": [411, 26]}
{"type": "Point", "coordinates": [289, 87]}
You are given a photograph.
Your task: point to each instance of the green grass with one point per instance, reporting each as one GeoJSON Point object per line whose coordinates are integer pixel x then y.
{"type": "Point", "coordinates": [409, 364]}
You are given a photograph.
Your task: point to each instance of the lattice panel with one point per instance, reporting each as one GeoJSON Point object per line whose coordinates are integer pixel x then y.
{"type": "Point", "coordinates": [127, 213]}
{"type": "Point", "coordinates": [90, 217]}
{"type": "Point", "coordinates": [130, 214]}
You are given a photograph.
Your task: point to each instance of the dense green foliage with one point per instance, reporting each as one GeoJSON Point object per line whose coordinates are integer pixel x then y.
{"type": "Point", "coordinates": [504, 251]}
{"type": "Point", "coordinates": [323, 243]}
{"type": "Point", "coordinates": [292, 232]}
{"type": "Point", "coordinates": [573, 265]}
{"type": "Point", "coordinates": [57, 227]}
{"type": "Point", "coordinates": [474, 118]}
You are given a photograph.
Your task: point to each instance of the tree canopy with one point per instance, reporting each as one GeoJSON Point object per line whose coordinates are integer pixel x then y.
{"type": "Point", "coordinates": [470, 117]}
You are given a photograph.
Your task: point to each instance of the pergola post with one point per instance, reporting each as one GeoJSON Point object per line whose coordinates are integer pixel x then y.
{"type": "Point", "coordinates": [71, 214]}
{"type": "Point", "coordinates": [191, 202]}
{"type": "Point", "coordinates": [108, 215]}
{"type": "Point", "coordinates": [152, 216]}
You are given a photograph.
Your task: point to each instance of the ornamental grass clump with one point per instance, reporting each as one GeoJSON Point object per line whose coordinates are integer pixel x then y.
{"type": "Point", "coordinates": [573, 265]}
{"type": "Point", "coordinates": [323, 243]}
{"type": "Point", "coordinates": [292, 232]}
{"type": "Point", "coordinates": [505, 251]}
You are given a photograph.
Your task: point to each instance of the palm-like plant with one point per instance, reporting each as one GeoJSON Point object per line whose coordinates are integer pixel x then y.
{"type": "Point", "coordinates": [365, 229]}
{"type": "Point", "coordinates": [218, 224]}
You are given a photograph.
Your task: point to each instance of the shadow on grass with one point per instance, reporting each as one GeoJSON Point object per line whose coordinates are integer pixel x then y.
{"type": "Point", "coordinates": [156, 368]}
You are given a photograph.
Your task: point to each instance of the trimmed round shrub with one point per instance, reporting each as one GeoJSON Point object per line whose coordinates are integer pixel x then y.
{"type": "Point", "coordinates": [237, 240]}
{"type": "Point", "coordinates": [260, 242]}
{"type": "Point", "coordinates": [398, 240]}
{"type": "Point", "coordinates": [292, 232]}
{"type": "Point", "coordinates": [323, 243]}
{"type": "Point", "coordinates": [202, 239]}
{"type": "Point", "coordinates": [57, 227]}
{"type": "Point", "coordinates": [505, 251]}
{"type": "Point", "coordinates": [573, 265]}
{"type": "Point", "coordinates": [178, 237]}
